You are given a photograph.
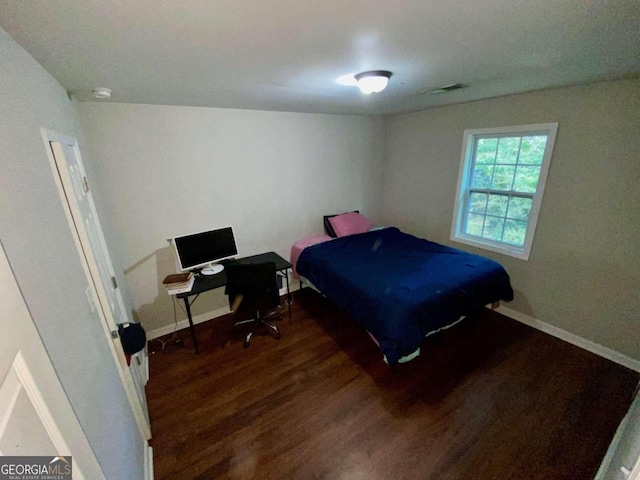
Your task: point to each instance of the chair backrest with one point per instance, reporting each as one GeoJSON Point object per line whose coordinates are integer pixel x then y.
{"type": "Point", "coordinates": [257, 283]}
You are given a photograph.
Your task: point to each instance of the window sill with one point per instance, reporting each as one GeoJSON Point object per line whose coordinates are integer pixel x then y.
{"type": "Point", "coordinates": [518, 252]}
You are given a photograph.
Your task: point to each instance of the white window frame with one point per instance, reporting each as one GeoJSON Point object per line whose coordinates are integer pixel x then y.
{"type": "Point", "coordinates": [457, 234]}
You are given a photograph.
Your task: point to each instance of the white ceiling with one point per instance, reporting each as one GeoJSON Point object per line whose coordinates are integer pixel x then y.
{"type": "Point", "coordinates": [287, 54]}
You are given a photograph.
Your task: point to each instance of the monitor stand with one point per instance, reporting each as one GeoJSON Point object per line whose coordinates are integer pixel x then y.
{"type": "Point", "coordinates": [212, 269]}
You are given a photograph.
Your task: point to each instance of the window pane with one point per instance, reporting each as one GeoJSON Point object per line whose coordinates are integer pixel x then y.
{"type": "Point", "coordinates": [532, 150]}
{"type": "Point", "coordinates": [503, 177]}
{"type": "Point", "coordinates": [497, 205]}
{"type": "Point", "coordinates": [526, 179]}
{"type": "Point", "coordinates": [482, 176]}
{"type": "Point", "coordinates": [508, 150]}
{"type": "Point", "coordinates": [477, 202]}
{"type": "Point", "coordinates": [474, 224]}
{"type": "Point", "coordinates": [514, 232]}
{"type": "Point", "coordinates": [486, 150]}
{"type": "Point", "coordinates": [493, 228]}
{"type": "Point", "coordinates": [519, 208]}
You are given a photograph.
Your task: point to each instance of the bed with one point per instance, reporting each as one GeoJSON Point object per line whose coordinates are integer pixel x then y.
{"type": "Point", "coordinates": [401, 288]}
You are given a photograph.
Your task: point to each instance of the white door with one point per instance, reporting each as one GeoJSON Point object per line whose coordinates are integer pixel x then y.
{"type": "Point", "coordinates": [81, 213]}
{"type": "Point", "coordinates": [35, 415]}
{"type": "Point", "coordinates": [77, 191]}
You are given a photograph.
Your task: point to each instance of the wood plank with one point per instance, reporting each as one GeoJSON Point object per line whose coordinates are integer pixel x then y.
{"type": "Point", "coordinates": [489, 398]}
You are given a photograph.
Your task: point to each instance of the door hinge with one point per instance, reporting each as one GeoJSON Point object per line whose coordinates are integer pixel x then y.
{"type": "Point", "coordinates": [114, 283]}
{"type": "Point", "coordinates": [114, 334]}
{"type": "Point", "coordinates": [85, 182]}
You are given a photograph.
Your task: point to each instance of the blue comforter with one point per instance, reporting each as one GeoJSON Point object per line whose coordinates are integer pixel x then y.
{"type": "Point", "coordinates": [400, 287]}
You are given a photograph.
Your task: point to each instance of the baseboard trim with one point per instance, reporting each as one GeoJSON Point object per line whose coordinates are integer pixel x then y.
{"type": "Point", "coordinates": [184, 323]}
{"type": "Point", "coordinates": [148, 464]}
{"type": "Point", "coordinates": [572, 338]}
{"type": "Point", "coordinates": [203, 317]}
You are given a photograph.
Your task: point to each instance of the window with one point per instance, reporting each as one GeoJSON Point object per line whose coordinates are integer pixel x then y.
{"type": "Point", "coordinates": [500, 187]}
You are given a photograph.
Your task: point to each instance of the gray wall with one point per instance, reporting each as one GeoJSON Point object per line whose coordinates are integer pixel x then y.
{"type": "Point", "coordinates": [584, 270]}
{"type": "Point", "coordinates": [38, 243]}
{"type": "Point", "coordinates": [174, 170]}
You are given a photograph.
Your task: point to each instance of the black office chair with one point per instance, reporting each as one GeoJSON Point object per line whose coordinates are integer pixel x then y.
{"type": "Point", "coordinates": [253, 289]}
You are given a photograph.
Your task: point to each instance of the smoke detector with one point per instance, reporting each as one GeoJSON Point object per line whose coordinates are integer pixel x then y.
{"type": "Point", "coordinates": [101, 93]}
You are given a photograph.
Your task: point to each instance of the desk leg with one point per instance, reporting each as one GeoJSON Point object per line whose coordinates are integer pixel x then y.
{"type": "Point", "coordinates": [286, 275]}
{"type": "Point", "coordinates": [191, 327]}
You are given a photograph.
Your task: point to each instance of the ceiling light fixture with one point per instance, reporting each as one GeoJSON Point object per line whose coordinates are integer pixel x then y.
{"type": "Point", "coordinates": [373, 82]}
{"type": "Point", "coordinates": [101, 93]}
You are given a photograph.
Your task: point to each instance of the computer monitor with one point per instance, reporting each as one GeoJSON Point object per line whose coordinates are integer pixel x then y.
{"type": "Point", "coordinates": [204, 249]}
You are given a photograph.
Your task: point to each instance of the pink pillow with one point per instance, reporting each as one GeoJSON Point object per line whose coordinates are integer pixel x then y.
{"type": "Point", "coordinates": [350, 223]}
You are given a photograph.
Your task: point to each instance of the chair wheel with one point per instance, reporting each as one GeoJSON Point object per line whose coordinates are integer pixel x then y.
{"type": "Point", "coordinates": [246, 344]}
{"type": "Point", "coordinates": [277, 336]}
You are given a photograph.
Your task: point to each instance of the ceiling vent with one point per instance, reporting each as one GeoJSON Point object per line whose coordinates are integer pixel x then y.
{"type": "Point", "coordinates": [445, 89]}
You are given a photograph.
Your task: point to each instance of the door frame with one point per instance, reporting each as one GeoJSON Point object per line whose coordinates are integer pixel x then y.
{"type": "Point", "coordinates": [90, 267]}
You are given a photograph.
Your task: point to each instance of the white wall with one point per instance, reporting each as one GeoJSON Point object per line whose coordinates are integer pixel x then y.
{"type": "Point", "coordinates": [174, 170]}
{"type": "Point", "coordinates": [584, 270]}
{"type": "Point", "coordinates": [38, 243]}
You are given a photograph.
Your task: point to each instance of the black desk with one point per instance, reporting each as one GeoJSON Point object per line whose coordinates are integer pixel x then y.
{"type": "Point", "coordinates": [204, 283]}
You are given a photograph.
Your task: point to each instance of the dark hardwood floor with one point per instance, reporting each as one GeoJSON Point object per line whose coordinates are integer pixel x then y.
{"type": "Point", "coordinates": [488, 399]}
